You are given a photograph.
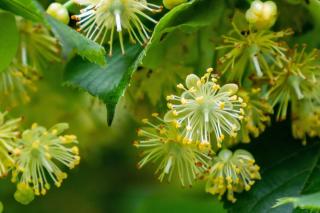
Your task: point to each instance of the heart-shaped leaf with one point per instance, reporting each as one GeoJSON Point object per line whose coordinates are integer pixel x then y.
{"type": "Point", "coordinates": [107, 82]}
{"type": "Point", "coordinates": [9, 38]}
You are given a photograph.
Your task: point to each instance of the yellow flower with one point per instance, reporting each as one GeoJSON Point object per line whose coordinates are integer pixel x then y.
{"type": "Point", "coordinates": [39, 152]}
{"type": "Point", "coordinates": [162, 143]}
{"type": "Point", "coordinates": [8, 133]}
{"type": "Point", "coordinates": [204, 108]}
{"type": "Point", "coordinates": [100, 18]}
{"type": "Point", "coordinates": [232, 172]}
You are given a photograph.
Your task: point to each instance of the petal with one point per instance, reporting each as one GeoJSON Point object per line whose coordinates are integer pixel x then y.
{"type": "Point", "coordinates": [229, 88]}
{"type": "Point", "coordinates": [269, 9]}
{"type": "Point", "coordinates": [192, 80]}
{"type": "Point", "coordinates": [169, 116]}
{"type": "Point", "coordinates": [251, 17]}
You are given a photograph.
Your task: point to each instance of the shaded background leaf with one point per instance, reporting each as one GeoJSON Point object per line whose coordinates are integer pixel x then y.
{"type": "Point", "coordinates": [9, 38]}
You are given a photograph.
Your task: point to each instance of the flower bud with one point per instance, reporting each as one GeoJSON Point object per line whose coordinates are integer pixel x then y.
{"type": "Point", "coordinates": [262, 15]}
{"type": "Point", "coordinates": [59, 12]}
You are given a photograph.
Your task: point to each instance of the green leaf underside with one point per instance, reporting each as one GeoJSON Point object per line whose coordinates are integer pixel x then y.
{"type": "Point", "coordinates": [25, 8]}
{"type": "Point", "coordinates": [197, 17]}
{"type": "Point", "coordinates": [288, 170]}
{"type": "Point", "coordinates": [72, 41]}
{"type": "Point", "coordinates": [107, 82]}
{"type": "Point", "coordinates": [311, 201]}
{"type": "Point", "coordinates": [188, 16]}
{"type": "Point", "coordinates": [9, 38]}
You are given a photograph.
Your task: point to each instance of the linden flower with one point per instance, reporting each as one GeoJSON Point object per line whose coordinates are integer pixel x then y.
{"type": "Point", "coordinates": [257, 117]}
{"type": "Point", "coordinates": [204, 108]}
{"type": "Point", "coordinates": [37, 46]}
{"type": "Point", "coordinates": [295, 79]}
{"type": "Point", "coordinates": [162, 143]}
{"type": "Point", "coordinates": [232, 172]}
{"type": "Point", "coordinates": [8, 133]}
{"type": "Point", "coordinates": [38, 153]}
{"type": "Point", "coordinates": [306, 121]}
{"type": "Point", "coordinates": [262, 14]}
{"type": "Point", "coordinates": [15, 84]}
{"type": "Point", "coordinates": [251, 51]}
{"type": "Point", "coordinates": [100, 18]}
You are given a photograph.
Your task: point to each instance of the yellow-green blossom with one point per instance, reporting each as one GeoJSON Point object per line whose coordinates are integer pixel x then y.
{"type": "Point", "coordinates": [295, 79]}
{"type": "Point", "coordinates": [232, 172]}
{"type": "Point", "coordinates": [306, 120]}
{"type": "Point", "coordinates": [163, 144]}
{"type": "Point", "coordinates": [251, 52]}
{"type": "Point", "coordinates": [257, 116]}
{"type": "Point", "coordinates": [16, 82]}
{"type": "Point", "coordinates": [205, 108]}
{"type": "Point", "coordinates": [100, 18]}
{"type": "Point", "coordinates": [39, 154]}
{"type": "Point", "coordinates": [8, 133]}
{"type": "Point", "coordinates": [37, 47]}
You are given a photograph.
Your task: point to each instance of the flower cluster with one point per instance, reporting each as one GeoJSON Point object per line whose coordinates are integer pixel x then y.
{"type": "Point", "coordinates": [100, 18]}
{"type": "Point", "coordinates": [17, 82]}
{"type": "Point", "coordinates": [35, 156]}
{"type": "Point", "coordinates": [37, 153]}
{"type": "Point", "coordinates": [306, 121]}
{"type": "Point", "coordinates": [8, 133]}
{"type": "Point", "coordinates": [232, 172]}
{"type": "Point", "coordinates": [287, 78]}
{"type": "Point", "coordinates": [204, 108]}
{"type": "Point", "coordinates": [250, 51]}
{"type": "Point", "coordinates": [162, 142]}
{"type": "Point", "coordinates": [37, 46]}
{"type": "Point", "coordinates": [258, 115]}
{"type": "Point", "coordinates": [295, 79]}
{"type": "Point", "coordinates": [181, 143]}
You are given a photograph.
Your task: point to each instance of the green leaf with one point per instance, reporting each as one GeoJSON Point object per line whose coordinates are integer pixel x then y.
{"type": "Point", "coordinates": [108, 82]}
{"type": "Point", "coordinates": [288, 170]}
{"type": "Point", "coordinates": [311, 201]}
{"type": "Point", "coordinates": [72, 41]}
{"type": "Point", "coordinates": [25, 8]}
{"type": "Point", "coordinates": [9, 38]}
{"type": "Point", "coordinates": [188, 17]}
